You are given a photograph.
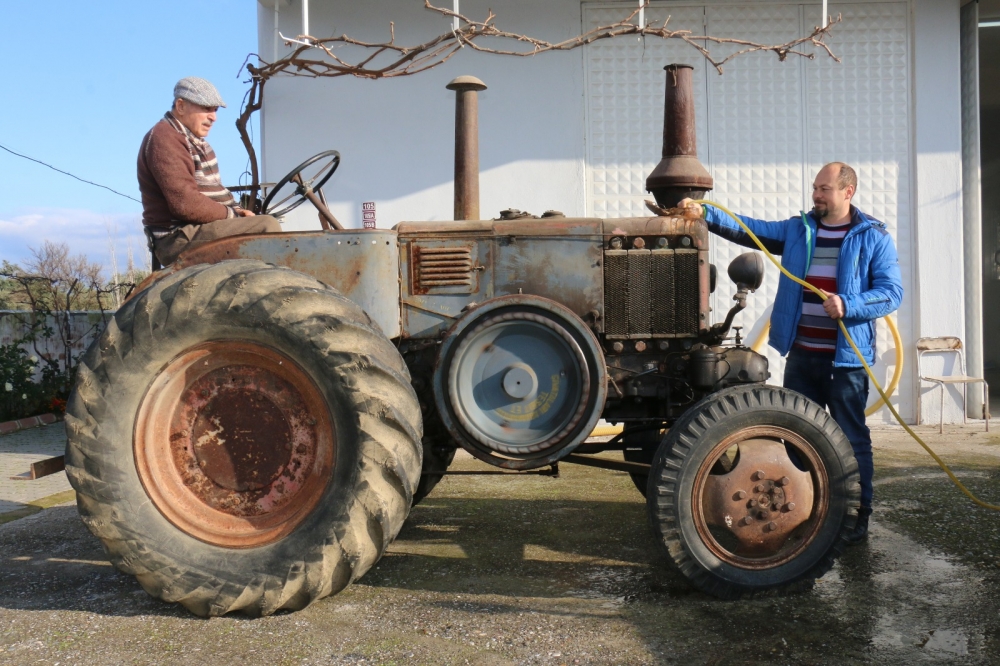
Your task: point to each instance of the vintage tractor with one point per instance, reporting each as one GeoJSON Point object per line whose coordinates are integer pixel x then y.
{"type": "Point", "coordinates": [252, 428]}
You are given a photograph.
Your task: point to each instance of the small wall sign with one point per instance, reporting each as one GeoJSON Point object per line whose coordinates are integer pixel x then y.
{"type": "Point", "coordinates": [368, 214]}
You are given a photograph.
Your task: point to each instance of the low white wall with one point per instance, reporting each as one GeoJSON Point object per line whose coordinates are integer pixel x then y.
{"type": "Point", "coordinates": [84, 327]}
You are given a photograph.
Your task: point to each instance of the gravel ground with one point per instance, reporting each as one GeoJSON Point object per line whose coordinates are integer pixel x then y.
{"type": "Point", "coordinates": [533, 570]}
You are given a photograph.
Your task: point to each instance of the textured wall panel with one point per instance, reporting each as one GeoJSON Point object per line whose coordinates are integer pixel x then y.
{"type": "Point", "coordinates": [858, 111]}
{"type": "Point", "coordinates": [755, 144]}
{"type": "Point", "coordinates": [625, 83]}
{"type": "Point", "coordinates": [764, 127]}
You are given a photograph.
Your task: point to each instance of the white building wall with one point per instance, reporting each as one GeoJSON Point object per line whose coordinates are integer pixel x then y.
{"type": "Point", "coordinates": [397, 136]}
{"type": "Point", "coordinates": [539, 128]}
{"type": "Point", "coordinates": [939, 308]}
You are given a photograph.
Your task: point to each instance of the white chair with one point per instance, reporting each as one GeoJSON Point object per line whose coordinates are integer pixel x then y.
{"type": "Point", "coordinates": [945, 345]}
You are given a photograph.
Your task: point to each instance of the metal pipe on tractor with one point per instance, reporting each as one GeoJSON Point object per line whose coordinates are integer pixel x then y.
{"type": "Point", "coordinates": [283, 400]}
{"type": "Point", "coordinates": [466, 146]}
{"type": "Point", "coordinates": [679, 174]}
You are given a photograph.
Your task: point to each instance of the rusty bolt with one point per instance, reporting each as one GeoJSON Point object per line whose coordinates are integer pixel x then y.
{"type": "Point", "coordinates": [618, 347]}
{"type": "Point", "coordinates": [784, 481]}
{"type": "Point", "coordinates": [752, 503]}
{"type": "Point", "coordinates": [640, 346]}
{"type": "Point", "coordinates": [790, 506]}
{"type": "Point", "coordinates": [762, 515]}
{"type": "Point", "coordinates": [759, 488]}
{"type": "Point", "coordinates": [740, 494]}
{"type": "Point", "coordinates": [616, 243]}
{"type": "Point", "coordinates": [748, 520]}
{"type": "Point", "coordinates": [758, 475]}
{"type": "Point", "coordinates": [771, 526]}
{"type": "Point", "coordinates": [639, 243]}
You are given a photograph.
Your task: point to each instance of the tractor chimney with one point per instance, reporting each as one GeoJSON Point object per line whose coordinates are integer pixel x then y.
{"type": "Point", "coordinates": [466, 146]}
{"type": "Point", "coordinates": [679, 174]}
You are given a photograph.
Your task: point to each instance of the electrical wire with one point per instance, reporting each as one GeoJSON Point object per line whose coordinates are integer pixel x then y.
{"type": "Point", "coordinates": [67, 173]}
{"type": "Point", "coordinates": [857, 352]}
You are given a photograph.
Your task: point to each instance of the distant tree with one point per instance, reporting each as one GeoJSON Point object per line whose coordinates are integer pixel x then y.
{"type": "Point", "coordinates": [8, 288]}
{"type": "Point", "coordinates": [52, 284]}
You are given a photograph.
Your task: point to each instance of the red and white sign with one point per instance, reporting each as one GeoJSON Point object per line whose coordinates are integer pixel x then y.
{"type": "Point", "coordinates": [368, 214]}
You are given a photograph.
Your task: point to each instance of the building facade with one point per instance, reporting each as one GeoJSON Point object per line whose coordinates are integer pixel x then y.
{"type": "Point", "coordinates": [579, 131]}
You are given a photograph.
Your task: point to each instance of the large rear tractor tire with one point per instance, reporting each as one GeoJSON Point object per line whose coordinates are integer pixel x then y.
{"type": "Point", "coordinates": [754, 488]}
{"type": "Point", "coordinates": [243, 438]}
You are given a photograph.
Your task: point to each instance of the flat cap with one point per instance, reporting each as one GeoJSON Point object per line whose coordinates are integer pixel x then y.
{"type": "Point", "coordinates": [198, 91]}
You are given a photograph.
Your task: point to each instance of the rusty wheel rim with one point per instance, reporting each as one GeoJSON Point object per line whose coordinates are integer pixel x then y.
{"type": "Point", "coordinates": [234, 444]}
{"type": "Point", "coordinates": [754, 506]}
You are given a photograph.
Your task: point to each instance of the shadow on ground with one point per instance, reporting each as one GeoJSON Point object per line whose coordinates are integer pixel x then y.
{"type": "Point", "coordinates": [530, 570]}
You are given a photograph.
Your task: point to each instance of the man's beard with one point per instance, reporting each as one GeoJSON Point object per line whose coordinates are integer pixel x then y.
{"type": "Point", "coordinates": [821, 212]}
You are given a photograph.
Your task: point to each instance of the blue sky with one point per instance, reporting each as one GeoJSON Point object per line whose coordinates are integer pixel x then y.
{"type": "Point", "coordinates": [83, 82]}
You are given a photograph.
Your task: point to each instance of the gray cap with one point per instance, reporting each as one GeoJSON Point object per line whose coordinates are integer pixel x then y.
{"type": "Point", "coordinates": [199, 91]}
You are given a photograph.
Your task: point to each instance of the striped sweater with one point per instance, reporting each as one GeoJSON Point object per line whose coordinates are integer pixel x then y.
{"type": "Point", "coordinates": [817, 331]}
{"type": "Point", "coordinates": [179, 178]}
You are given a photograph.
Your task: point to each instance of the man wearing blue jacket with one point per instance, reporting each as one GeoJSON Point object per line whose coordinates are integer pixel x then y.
{"type": "Point", "coordinates": [852, 258]}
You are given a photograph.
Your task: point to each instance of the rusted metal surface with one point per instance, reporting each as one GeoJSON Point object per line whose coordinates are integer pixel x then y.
{"type": "Point", "coordinates": [679, 173]}
{"type": "Point", "coordinates": [442, 268]}
{"type": "Point", "coordinates": [557, 258]}
{"type": "Point", "coordinates": [678, 287]}
{"type": "Point", "coordinates": [234, 444]}
{"type": "Point", "coordinates": [466, 146]}
{"type": "Point", "coordinates": [429, 306]}
{"type": "Point", "coordinates": [764, 510]}
{"type": "Point", "coordinates": [361, 264]}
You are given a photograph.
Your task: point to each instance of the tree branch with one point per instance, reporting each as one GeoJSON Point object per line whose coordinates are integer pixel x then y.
{"type": "Point", "coordinates": [409, 60]}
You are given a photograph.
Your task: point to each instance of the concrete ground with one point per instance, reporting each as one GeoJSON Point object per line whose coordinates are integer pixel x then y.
{"type": "Point", "coordinates": [532, 570]}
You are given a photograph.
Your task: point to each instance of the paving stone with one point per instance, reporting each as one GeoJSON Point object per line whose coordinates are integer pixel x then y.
{"type": "Point", "coordinates": [17, 451]}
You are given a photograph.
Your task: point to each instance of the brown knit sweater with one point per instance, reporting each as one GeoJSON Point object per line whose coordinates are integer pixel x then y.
{"type": "Point", "coordinates": [169, 168]}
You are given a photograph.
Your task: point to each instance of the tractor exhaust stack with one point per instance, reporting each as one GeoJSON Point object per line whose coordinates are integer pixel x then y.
{"type": "Point", "coordinates": [466, 146]}
{"type": "Point", "coordinates": [679, 174]}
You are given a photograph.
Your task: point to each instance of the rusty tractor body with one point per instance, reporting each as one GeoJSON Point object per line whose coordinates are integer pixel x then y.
{"type": "Point", "coordinates": [282, 400]}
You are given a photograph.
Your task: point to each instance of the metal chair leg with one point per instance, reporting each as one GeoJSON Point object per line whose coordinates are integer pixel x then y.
{"type": "Point", "coordinates": [941, 411]}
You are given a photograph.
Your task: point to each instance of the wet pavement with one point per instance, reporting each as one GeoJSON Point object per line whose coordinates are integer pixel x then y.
{"type": "Point", "coordinates": [534, 570]}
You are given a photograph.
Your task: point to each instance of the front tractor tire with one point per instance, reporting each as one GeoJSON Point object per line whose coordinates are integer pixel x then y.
{"type": "Point", "coordinates": [243, 438]}
{"type": "Point", "coordinates": [754, 488]}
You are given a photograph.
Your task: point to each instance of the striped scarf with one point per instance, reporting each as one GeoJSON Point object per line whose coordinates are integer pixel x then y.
{"type": "Point", "coordinates": [206, 167]}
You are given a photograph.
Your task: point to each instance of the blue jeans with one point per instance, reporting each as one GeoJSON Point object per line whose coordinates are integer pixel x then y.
{"type": "Point", "coordinates": [844, 392]}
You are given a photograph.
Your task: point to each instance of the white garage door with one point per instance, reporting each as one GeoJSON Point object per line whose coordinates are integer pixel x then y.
{"type": "Point", "coordinates": [764, 127]}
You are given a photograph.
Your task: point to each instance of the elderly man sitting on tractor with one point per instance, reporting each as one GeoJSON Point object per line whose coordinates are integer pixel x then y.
{"type": "Point", "coordinates": [183, 200]}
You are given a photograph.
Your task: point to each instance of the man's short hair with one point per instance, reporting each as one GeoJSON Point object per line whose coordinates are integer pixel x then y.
{"type": "Point", "coordinates": [847, 176]}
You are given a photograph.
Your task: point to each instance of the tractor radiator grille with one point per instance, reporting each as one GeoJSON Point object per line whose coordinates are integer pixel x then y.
{"type": "Point", "coordinates": [651, 293]}
{"type": "Point", "coordinates": [616, 293]}
{"type": "Point", "coordinates": [687, 291]}
{"type": "Point", "coordinates": [435, 268]}
{"type": "Point", "coordinates": [639, 281]}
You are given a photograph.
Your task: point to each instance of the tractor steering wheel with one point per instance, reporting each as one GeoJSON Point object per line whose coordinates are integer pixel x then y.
{"type": "Point", "coordinates": [304, 182]}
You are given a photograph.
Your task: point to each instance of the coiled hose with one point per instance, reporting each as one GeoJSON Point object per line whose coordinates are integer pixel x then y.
{"type": "Point", "coordinates": [850, 340]}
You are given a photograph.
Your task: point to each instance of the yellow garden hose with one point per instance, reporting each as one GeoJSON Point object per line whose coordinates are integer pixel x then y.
{"type": "Point", "coordinates": [897, 372]}
{"type": "Point", "coordinates": [847, 336]}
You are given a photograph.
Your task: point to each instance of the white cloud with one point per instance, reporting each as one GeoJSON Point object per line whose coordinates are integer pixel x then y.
{"type": "Point", "coordinates": [85, 231]}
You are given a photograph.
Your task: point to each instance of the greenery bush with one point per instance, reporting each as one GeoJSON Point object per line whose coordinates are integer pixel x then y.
{"type": "Point", "coordinates": [20, 394]}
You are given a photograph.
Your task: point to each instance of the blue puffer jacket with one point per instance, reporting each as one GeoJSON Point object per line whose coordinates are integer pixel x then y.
{"type": "Point", "coordinates": [868, 277]}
